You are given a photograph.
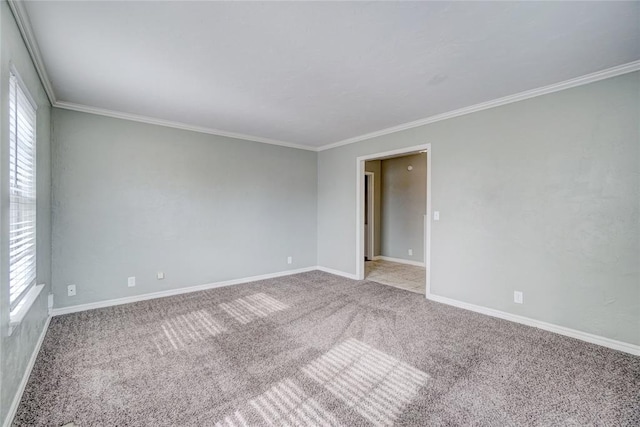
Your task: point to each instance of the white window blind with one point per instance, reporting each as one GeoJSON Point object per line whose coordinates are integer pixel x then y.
{"type": "Point", "coordinates": [22, 192]}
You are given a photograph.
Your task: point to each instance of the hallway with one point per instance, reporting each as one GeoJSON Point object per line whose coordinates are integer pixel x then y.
{"type": "Point", "coordinates": [404, 276]}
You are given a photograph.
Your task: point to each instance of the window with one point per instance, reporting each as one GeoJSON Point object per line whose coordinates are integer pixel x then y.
{"type": "Point", "coordinates": [22, 192]}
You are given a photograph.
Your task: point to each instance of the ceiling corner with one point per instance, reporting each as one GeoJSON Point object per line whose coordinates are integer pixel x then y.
{"type": "Point", "coordinates": [22, 19]}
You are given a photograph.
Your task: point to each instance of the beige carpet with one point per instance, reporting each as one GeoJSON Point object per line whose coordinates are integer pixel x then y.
{"type": "Point", "coordinates": [315, 349]}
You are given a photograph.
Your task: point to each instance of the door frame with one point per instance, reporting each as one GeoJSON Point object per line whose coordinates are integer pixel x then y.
{"type": "Point", "coordinates": [372, 216]}
{"type": "Point", "coordinates": [360, 173]}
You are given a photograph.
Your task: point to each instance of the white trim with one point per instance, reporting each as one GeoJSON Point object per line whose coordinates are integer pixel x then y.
{"type": "Point", "coordinates": [337, 272]}
{"type": "Point", "coordinates": [177, 125]}
{"type": "Point", "coordinates": [171, 292]}
{"type": "Point", "coordinates": [359, 218]}
{"type": "Point", "coordinates": [20, 311]}
{"type": "Point", "coordinates": [25, 378]}
{"type": "Point", "coordinates": [583, 336]}
{"type": "Point", "coordinates": [371, 208]}
{"type": "Point", "coordinates": [545, 90]}
{"type": "Point", "coordinates": [402, 261]}
{"type": "Point", "coordinates": [13, 70]}
{"type": "Point", "coordinates": [360, 202]}
{"type": "Point", "coordinates": [24, 24]}
{"type": "Point", "coordinates": [427, 230]}
{"type": "Point", "coordinates": [22, 20]}
{"type": "Point", "coordinates": [395, 153]}
{"type": "Point", "coordinates": [424, 245]}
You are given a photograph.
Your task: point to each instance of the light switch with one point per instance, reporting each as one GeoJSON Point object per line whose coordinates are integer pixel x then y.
{"type": "Point", "coordinates": [436, 215]}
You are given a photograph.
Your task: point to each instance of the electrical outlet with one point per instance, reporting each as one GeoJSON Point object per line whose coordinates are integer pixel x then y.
{"type": "Point", "coordinates": [131, 281]}
{"type": "Point", "coordinates": [71, 290]}
{"type": "Point", "coordinates": [518, 297]}
{"type": "Point", "coordinates": [290, 260]}
{"type": "Point", "coordinates": [410, 251]}
{"type": "Point", "coordinates": [160, 275]}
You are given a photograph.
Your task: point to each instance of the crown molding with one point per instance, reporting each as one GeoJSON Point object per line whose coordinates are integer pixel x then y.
{"type": "Point", "coordinates": [567, 84]}
{"type": "Point", "coordinates": [545, 90]}
{"type": "Point", "coordinates": [177, 125]}
{"type": "Point", "coordinates": [22, 20]}
{"type": "Point", "coordinates": [24, 25]}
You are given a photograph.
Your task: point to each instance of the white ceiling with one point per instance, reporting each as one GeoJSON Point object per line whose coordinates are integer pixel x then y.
{"type": "Point", "coordinates": [318, 73]}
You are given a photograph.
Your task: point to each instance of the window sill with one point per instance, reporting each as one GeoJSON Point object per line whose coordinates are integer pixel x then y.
{"type": "Point", "coordinates": [18, 314]}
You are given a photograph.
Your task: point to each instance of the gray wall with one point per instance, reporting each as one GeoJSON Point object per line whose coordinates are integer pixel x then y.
{"type": "Point", "coordinates": [540, 196]}
{"type": "Point", "coordinates": [132, 199]}
{"type": "Point", "coordinates": [404, 204]}
{"type": "Point", "coordinates": [16, 350]}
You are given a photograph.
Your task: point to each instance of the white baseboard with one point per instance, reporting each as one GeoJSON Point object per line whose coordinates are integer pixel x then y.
{"type": "Point", "coordinates": [337, 272]}
{"type": "Point", "coordinates": [584, 336]}
{"type": "Point", "coordinates": [25, 378]}
{"type": "Point", "coordinates": [171, 292]}
{"type": "Point", "coordinates": [399, 260]}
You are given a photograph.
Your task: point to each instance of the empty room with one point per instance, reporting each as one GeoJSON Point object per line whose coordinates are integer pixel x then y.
{"type": "Point", "coordinates": [319, 213]}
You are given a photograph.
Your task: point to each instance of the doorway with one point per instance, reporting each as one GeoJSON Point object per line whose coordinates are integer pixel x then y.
{"type": "Point", "coordinates": [393, 218]}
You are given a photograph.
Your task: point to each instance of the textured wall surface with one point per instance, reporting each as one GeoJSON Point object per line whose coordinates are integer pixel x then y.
{"type": "Point", "coordinates": [540, 196]}
{"type": "Point", "coordinates": [132, 199]}
{"type": "Point", "coordinates": [16, 350]}
{"type": "Point", "coordinates": [404, 204]}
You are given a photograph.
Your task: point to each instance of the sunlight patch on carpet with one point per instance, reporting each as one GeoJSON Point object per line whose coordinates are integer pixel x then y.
{"type": "Point", "coordinates": [373, 383]}
{"type": "Point", "coordinates": [186, 329]}
{"type": "Point", "coordinates": [284, 404]}
{"type": "Point", "coordinates": [253, 307]}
